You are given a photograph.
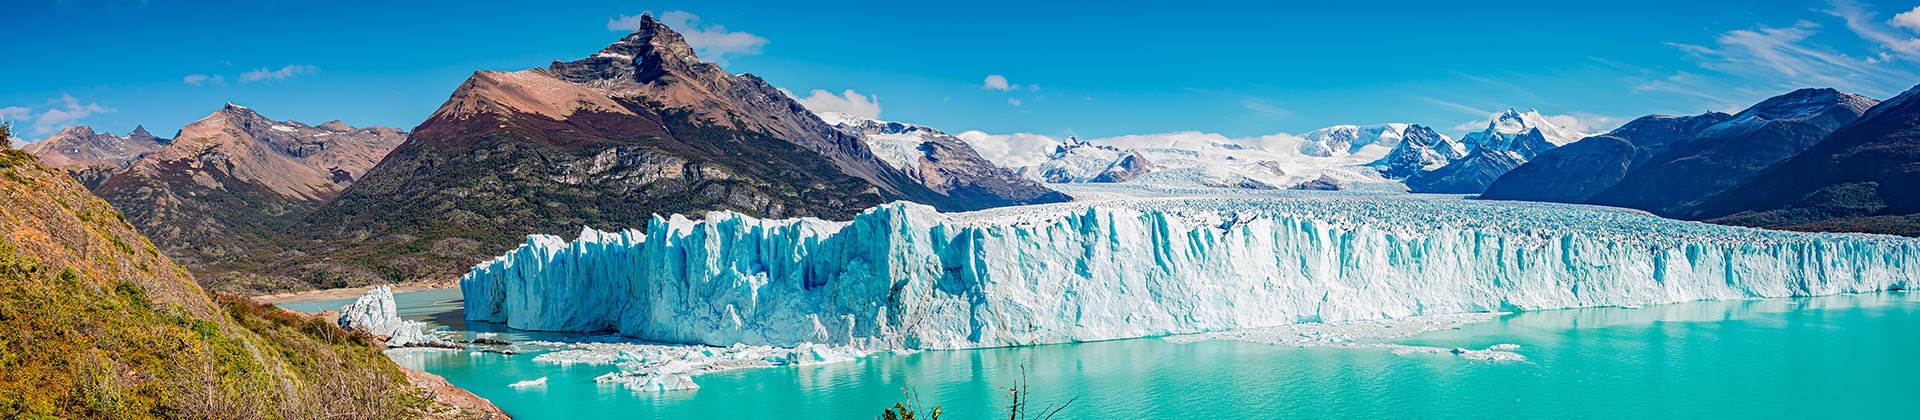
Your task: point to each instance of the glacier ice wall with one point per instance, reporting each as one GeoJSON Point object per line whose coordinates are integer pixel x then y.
{"type": "Point", "coordinates": [904, 276]}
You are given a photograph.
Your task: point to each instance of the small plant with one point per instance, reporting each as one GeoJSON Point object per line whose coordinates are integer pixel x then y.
{"type": "Point", "coordinates": [909, 409]}
{"type": "Point", "coordinates": [1022, 398]}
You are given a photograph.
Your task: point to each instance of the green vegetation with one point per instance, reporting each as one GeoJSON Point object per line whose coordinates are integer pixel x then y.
{"type": "Point", "coordinates": [95, 323]}
{"type": "Point", "coordinates": [909, 410]}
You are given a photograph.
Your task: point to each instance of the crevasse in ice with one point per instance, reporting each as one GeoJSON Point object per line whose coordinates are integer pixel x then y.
{"type": "Point", "coordinates": [1128, 265]}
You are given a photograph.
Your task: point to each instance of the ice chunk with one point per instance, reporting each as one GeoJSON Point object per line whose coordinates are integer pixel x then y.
{"type": "Point", "coordinates": [531, 383]}
{"type": "Point", "coordinates": [377, 314]}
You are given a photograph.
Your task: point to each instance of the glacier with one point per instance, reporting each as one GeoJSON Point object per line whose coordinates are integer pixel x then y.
{"type": "Point", "coordinates": [1137, 261]}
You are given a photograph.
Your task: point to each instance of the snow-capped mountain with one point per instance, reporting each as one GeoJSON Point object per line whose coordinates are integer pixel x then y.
{"type": "Point", "coordinates": [1333, 157]}
{"type": "Point", "coordinates": [941, 162]}
{"type": "Point", "coordinates": [1348, 139]}
{"type": "Point", "coordinates": [1503, 128]}
{"type": "Point", "coordinates": [1420, 149]}
{"type": "Point", "coordinates": [1510, 139]}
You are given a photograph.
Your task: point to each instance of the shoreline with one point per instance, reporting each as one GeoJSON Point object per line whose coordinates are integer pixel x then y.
{"type": "Point", "coordinates": [348, 292]}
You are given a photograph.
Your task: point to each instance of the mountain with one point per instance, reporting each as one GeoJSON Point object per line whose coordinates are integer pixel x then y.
{"type": "Point", "coordinates": [943, 163]}
{"type": "Point", "coordinates": [1862, 178]}
{"type": "Point", "coordinates": [1575, 172]}
{"type": "Point", "coordinates": [100, 324]}
{"type": "Point", "coordinates": [1732, 151]}
{"type": "Point", "coordinates": [1349, 139]}
{"type": "Point", "coordinates": [642, 127]}
{"type": "Point", "coordinates": [1339, 156]}
{"type": "Point", "coordinates": [1420, 149]}
{"type": "Point", "coordinates": [1510, 139]}
{"type": "Point", "coordinates": [90, 156]}
{"type": "Point", "coordinates": [219, 195]}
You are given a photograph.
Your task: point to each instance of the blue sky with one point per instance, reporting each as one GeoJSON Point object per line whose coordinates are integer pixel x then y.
{"type": "Point", "coordinates": [1092, 69]}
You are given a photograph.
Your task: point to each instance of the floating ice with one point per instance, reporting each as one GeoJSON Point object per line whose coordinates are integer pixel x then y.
{"type": "Point", "coordinates": [531, 383]}
{"type": "Point", "coordinates": [1134, 263]}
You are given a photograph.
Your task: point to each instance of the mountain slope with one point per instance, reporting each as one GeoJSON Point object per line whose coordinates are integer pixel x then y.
{"type": "Point", "coordinates": [99, 324]}
{"type": "Point", "coordinates": [1862, 178]}
{"type": "Point", "coordinates": [640, 128]}
{"type": "Point", "coordinates": [91, 157]}
{"type": "Point", "coordinates": [219, 195]}
{"type": "Point", "coordinates": [1730, 152]}
{"type": "Point", "coordinates": [1575, 172]}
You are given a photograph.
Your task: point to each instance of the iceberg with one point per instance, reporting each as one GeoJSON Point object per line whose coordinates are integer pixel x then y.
{"type": "Point", "coordinates": [377, 314]}
{"type": "Point", "coordinates": [1131, 261]}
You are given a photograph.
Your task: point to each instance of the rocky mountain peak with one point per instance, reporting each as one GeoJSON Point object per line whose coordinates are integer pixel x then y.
{"type": "Point", "coordinates": [336, 126]}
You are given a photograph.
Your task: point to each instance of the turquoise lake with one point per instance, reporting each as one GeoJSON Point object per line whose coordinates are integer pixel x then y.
{"type": "Point", "coordinates": [1827, 357]}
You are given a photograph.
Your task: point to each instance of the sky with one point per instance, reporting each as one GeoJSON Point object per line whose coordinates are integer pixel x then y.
{"type": "Point", "coordinates": [1093, 69]}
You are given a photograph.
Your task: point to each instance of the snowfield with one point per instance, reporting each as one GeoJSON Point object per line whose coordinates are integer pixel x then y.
{"type": "Point", "coordinates": [1128, 261]}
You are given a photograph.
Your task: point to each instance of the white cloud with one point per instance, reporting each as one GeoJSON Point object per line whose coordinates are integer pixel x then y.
{"type": "Point", "coordinates": [203, 79]}
{"type": "Point", "coordinates": [284, 73]}
{"type": "Point", "coordinates": [62, 112]}
{"type": "Point", "coordinates": [1909, 19]}
{"type": "Point", "coordinates": [999, 83]}
{"type": "Point", "coordinates": [712, 42]}
{"type": "Point", "coordinates": [847, 102]}
{"type": "Point", "coordinates": [1015, 102]}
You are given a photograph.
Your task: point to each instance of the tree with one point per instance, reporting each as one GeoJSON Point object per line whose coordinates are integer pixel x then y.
{"type": "Point", "coordinates": [6, 134]}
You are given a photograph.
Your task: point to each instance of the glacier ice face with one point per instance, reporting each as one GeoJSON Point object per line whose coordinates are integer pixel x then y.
{"type": "Point", "coordinates": [1134, 262]}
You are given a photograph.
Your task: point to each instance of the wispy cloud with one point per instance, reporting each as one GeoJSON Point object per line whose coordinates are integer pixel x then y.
{"type": "Point", "coordinates": [1265, 107]}
{"type": "Point", "coordinates": [204, 79]}
{"type": "Point", "coordinates": [1865, 24]}
{"type": "Point", "coordinates": [847, 102]}
{"type": "Point", "coordinates": [1742, 66]}
{"type": "Point", "coordinates": [1455, 106]}
{"type": "Point", "coordinates": [712, 42]}
{"type": "Point", "coordinates": [283, 73]}
{"type": "Point", "coordinates": [1015, 102]}
{"type": "Point", "coordinates": [56, 114]}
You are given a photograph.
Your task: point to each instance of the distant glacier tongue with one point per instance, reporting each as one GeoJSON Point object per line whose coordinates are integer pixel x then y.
{"type": "Point", "coordinates": [905, 276]}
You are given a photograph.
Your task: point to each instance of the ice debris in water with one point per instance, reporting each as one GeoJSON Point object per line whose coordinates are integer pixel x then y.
{"type": "Point", "coordinates": [1140, 262]}
{"type": "Point", "coordinates": [659, 367]}
{"type": "Point", "coordinates": [376, 313]}
{"type": "Point", "coordinates": [531, 383]}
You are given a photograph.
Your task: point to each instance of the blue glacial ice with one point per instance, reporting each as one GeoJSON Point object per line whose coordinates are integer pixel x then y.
{"type": "Point", "coordinates": [1124, 262]}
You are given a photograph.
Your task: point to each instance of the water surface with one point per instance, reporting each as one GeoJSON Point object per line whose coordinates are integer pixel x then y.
{"type": "Point", "coordinates": [1829, 357]}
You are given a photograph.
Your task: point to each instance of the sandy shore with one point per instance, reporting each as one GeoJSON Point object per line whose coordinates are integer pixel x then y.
{"type": "Point", "coordinates": [348, 292]}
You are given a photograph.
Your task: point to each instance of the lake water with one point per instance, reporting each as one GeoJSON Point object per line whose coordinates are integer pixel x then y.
{"type": "Point", "coordinates": [1828, 357]}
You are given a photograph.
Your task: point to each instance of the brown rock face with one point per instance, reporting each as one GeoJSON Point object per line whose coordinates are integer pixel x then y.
{"type": "Point", "coordinates": [217, 197]}
{"type": "Point", "coordinates": [91, 156]}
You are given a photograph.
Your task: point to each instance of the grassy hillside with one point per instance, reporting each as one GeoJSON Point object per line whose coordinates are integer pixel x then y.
{"type": "Point", "coordinates": [100, 325]}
